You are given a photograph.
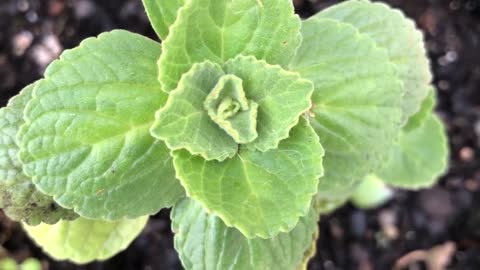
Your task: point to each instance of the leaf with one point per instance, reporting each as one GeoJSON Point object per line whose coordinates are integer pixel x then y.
{"type": "Point", "coordinates": [8, 264]}
{"type": "Point", "coordinates": [86, 140]}
{"type": "Point", "coordinates": [228, 107]}
{"type": "Point", "coordinates": [162, 14]}
{"type": "Point", "coordinates": [203, 241]}
{"type": "Point", "coordinates": [83, 241]}
{"type": "Point", "coordinates": [218, 30]}
{"type": "Point", "coordinates": [31, 264]}
{"type": "Point", "coordinates": [259, 193]}
{"type": "Point", "coordinates": [421, 116]}
{"type": "Point", "coordinates": [419, 157]}
{"type": "Point", "coordinates": [371, 193]}
{"type": "Point", "coordinates": [19, 198]}
{"type": "Point", "coordinates": [356, 103]}
{"type": "Point", "coordinates": [390, 29]}
{"type": "Point", "coordinates": [326, 207]}
{"type": "Point", "coordinates": [282, 96]}
{"type": "Point", "coordinates": [189, 120]}
{"type": "Point", "coordinates": [183, 123]}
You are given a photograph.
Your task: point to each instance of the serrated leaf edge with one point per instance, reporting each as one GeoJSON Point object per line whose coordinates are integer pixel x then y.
{"type": "Point", "coordinates": [282, 229]}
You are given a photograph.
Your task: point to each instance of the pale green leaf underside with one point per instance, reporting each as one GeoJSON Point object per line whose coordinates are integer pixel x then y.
{"type": "Point", "coordinates": [83, 241]}
{"type": "Point", "coordinates": [393, 31]}
{"type": "Point", "coordinates": [86, 140]}
{"type": "Point", "coordinates": [356, 103]}
{"type": "Point", "coordinates": [419, 157]}
{"type": "Point", "coordinates": [218, 30]}
{"type": "Point", "coordinates": [162, 14]}
{"type": "Point", "coordinates": [421, 116]}
{"type": "Point", "coordinates": [185, 123]}
{"type": "Point", "coordinates": [204, 242]}
{"type": "Point", "coordinates": [19, 198]}
{"type": "Point", "coordinates": [371, 193]}
{"type": "Point", "coordinates": [259, 193]}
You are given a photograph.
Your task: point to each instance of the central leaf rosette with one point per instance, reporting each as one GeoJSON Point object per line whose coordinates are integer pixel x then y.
{"type": "Point", "coordinates": [230, 109]}
{"type": "Point", "coordinates": [217, 109]}
{"type": "Point", "coordinates": [240, 145]}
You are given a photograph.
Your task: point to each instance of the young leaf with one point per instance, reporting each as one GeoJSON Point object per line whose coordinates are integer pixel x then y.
{"type": "Point", "coordinates": [398, 35]}
{"type": "Point", "coordinates": [259, 193]}
{"type": "Point", "coordinates": [371, 193]}
{"type": "Point", "coordinates": [19, 198]}
{"type": "Point", "coordinates": [218, 30]}
{"type": "Point", "coordinates": [419, 157]}
{"type": "Point", "coordinates": [229, 108]}
{"type": "Point", "coordinates": [356, 103]}
{"type": "Point", "coordinates": [203, 241]}
{"type": "Point", "coordinates": [183, 123]}
{"type": "Point", "coordinates": [189, 120]}
{"type": "Point", "coordinates": [83, 241]}
{"type": "Point", "coordinates": [282, 96]}
{"type": "Point", "coordinates": [86, 140]}
{"type": "Point", "coordinates": [421, 116]}
{"type": "Point", "coordinates": [162, 14]}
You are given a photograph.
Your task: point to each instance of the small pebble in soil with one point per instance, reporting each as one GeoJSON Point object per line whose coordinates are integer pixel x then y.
{"type": "Point", "coordinates": [455, 5]}
{"type": "Point", "coordinates": [467, 154]}
{"type": "Point", "coordinates": [329, 265]}
{"type": "Point", "coordinates": [388, 219]}
{"type": "Point", "coordinates": [451, 56]}
{"type": "Point", "coordinates": [56, 7]}
{"type": "Point", "coordinates": [437, 204]}
{"type": "Point", "coordinates": [83, 9]}
{"type": "Point", "coordinates": [477, 128]}
{"type": "Point", "coordinates": [47, 51]}
{"type": "Point", "coordinates": [32, 16]}
{"type": "Point", "coordinates": [336, 229]}
{"type": "Point", "coordinates": [358, 223]}
{"type": "Point", "coordinates": [23, 5]}
{"type": "Point", "coordinates": [472, 185]}
{"type": "Point", "coordinates": [21, 42]}
{"type": "Point", "coordinates": [443, 85]}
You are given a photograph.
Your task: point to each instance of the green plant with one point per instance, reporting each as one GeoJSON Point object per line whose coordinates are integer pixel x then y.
{"type": "Point", "coordinates": [28, 264]}
{"type": "Point", "coordinates": [246, 119]}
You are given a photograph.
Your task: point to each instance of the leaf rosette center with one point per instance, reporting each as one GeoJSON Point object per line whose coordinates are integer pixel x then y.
{"type": "Point", "coordinates": [246, 101]}
{"type": "Point", "coordinates": [230, 109]}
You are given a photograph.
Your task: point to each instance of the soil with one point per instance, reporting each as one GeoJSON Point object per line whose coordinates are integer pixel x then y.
{"type": "Point", "coordinates": [417, 230]}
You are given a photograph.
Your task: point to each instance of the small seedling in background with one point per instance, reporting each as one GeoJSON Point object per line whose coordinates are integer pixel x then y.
{"type": "Point", "coordinates": [28, 264]}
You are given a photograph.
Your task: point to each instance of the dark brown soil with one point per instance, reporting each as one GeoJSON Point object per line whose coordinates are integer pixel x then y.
{"type": "Point", "coordinates": [442, 219]}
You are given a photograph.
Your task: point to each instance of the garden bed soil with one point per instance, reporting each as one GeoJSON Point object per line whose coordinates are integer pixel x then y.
{"type": "Point", "coordinates": [434, 226]}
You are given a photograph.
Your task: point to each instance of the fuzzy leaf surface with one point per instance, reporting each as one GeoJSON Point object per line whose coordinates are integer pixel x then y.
{"type": "Point", "coordinates": [218, 30]}
{"type": "Point", "coordinates": [86, 140]}
{"type": "Point", "coordinates": [162, 14]}
{"type": "Point", "coordinates": [19, 198]}
{"type": "Point", "coordinates": [183, 123]}
{"type": "Point", "coordinates": [203, 241]}
{"type": "Point", "coordinates": [282, 96]}
{"type": "Point", "coordinates": [419, 157]}
{"type": "Point", "coordinates": [390, 29]}
{"type": "Point", "coordinates": [188, 122]}
{"type": "Point", "coordinates": [259, 193]}
{"type": "Point", "coordinates": [356, 103]}
{"type": "Point", "coordinates": [230, 109]}
{"type": "Point", "coordinates": [83, 241]}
